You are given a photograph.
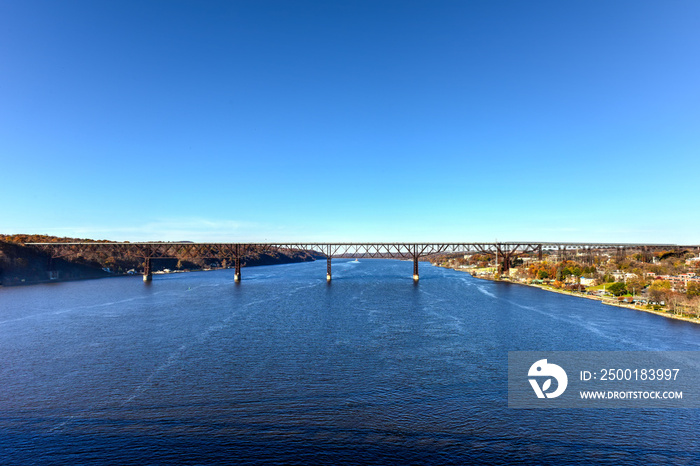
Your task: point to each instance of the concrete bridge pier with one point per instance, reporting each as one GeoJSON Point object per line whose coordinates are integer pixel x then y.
{"type": "Point", "coordinates": [237, 264]}
{"type": "Point", "coordinates": [237, 273]}
{"type": "Point", "coordinates": [147, 270]}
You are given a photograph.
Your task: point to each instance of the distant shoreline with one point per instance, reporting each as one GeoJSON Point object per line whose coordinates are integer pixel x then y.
{"type": "Point", "coordinates": [608, 302]}
{"type": "Point", "coordinates": [122, 275]}
{"type": "Point", "coordinates": [22, 265]}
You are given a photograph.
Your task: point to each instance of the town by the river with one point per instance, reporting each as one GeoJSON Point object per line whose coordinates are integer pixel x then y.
{"type": "Point", "coordinates": [284, 367]}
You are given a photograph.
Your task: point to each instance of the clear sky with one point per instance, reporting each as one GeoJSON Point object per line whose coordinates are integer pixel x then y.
{"type": "Point", "coordinates": [351, 121]}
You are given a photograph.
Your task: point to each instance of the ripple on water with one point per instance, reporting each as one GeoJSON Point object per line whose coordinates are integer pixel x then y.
{"type": "Point", "coordinates": [285, 368]}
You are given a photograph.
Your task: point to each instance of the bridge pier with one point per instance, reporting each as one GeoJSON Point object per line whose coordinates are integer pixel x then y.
{"type": "Point", "coordinates": [505, 263]}
{"type": "Point", "coordinates": [147, 270]}
{"type": "Point", "coordinates": [328, 268]}
{"type": "Point", "coordinates": [237, 273]}
{"type": "Point", "coordinates": [52, 273]}
{"type": "Point", "coordinates": [620, 253]}
{"type": "Point", "coordinates": [502, 259]}
{"type": "Point", "coordinates": [415, 268]}
{"type": "Point", "coordinates": [237, 264]}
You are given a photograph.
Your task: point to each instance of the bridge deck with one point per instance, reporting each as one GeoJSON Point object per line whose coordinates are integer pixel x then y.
{"type": "Point", "coordinates": [503, 251]}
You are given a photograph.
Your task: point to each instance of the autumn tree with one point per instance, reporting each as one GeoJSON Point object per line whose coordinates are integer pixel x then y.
{"type": "Point", "coordinates": [635, 285]}
{"type": "Point", "coordinates": [695, 306]}
{"type": "Point", "coordinates": [692, 289]}
{"type": "Point", "coordinates": [659, 290]}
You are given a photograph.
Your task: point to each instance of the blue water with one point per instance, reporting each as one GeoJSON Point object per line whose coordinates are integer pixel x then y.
{"type": "Point", "coordinates": [283, 367]}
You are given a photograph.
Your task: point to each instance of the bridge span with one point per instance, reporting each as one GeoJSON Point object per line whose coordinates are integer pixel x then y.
{"type": "Point", "coordinates": [236, 253]}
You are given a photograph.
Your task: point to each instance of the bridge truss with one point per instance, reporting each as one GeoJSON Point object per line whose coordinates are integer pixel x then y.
{"type": "Point", "coordinates": [236, 253]}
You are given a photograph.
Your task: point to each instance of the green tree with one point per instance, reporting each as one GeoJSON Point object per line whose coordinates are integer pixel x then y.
{"type": "Point", "coordinates": [617, 289]}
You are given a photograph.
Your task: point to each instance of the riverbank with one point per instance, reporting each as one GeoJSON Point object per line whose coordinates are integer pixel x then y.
{"type": "Point", "coordinates": [603, 300]}
{"type": "Point", "coordinates": [21, 265]}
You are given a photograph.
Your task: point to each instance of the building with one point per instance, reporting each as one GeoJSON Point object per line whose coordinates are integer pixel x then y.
{"type": "Point", "coordinates": [587, 281]}
{"type": "Point", "coordinates": [623, 276]}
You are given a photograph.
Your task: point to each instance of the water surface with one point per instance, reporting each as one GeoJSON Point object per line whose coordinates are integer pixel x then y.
{"type": "Point", "coordinates": [283, 367]}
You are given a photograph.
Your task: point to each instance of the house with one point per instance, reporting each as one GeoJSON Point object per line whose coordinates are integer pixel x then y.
{"type": "Point", "coordinates": [623, 276]}
{"type": "Point", "coordinates": [692, 260]}
{"type": "Point", "coordinates": [587, 281]}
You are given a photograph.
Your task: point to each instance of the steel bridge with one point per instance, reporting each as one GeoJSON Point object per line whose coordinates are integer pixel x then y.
{"type": "Point", "coordinates": [235, 253]}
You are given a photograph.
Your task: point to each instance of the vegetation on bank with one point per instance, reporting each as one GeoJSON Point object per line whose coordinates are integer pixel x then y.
{"type": "Point", "coordinates": [21, 265]}
{"type": "Point", "coordinates": [668, 281]}
{"type": "Point", "coordinates": [23, 238]}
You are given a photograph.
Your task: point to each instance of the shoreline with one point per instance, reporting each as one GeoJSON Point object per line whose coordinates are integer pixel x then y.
{"type": "Point", "coordinates": [140, 275]}
{"type": "Point", "coordinates": [605, 301]}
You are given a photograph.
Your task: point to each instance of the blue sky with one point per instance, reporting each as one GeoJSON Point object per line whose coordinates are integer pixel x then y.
{"type": "Point", "coordinates": [351, 121]}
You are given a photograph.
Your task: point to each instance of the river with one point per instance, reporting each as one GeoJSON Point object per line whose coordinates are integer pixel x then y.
{"type": "Point", "coordinates": [283, 367]}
